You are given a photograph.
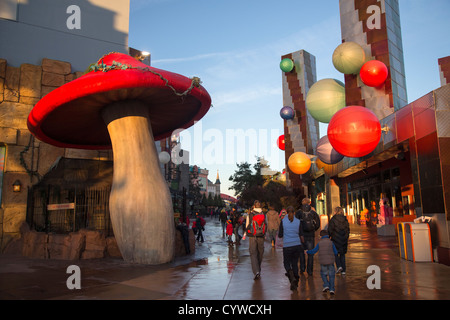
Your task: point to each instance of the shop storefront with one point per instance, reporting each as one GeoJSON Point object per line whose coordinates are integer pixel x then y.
{"type": "Point", "coordinates": [360, 193]}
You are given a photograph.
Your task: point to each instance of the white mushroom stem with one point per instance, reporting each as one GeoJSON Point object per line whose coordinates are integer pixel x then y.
{"type": "Point", "coordinates": [140, 204]}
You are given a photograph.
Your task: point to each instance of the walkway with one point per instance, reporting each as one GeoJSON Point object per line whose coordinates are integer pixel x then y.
{"type": "Point", "coordinates": [217, 272]}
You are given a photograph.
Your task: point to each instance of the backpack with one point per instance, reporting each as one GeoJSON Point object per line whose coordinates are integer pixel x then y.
{"type": "Point", "coordinates": [257, 226]}
{"type": "Point", "coordinates": [309, 223]}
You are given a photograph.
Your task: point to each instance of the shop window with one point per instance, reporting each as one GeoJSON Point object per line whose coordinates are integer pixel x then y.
{"type": "Point", "coordinates": [395, 172]}
{"type": "Point", "coordinates": [387, 175]}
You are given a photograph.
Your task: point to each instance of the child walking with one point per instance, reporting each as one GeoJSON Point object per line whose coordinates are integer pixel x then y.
{"type": "Point", "coordinates": [229, 232]}
{"type": "Point", "coordinates": [327, 252]}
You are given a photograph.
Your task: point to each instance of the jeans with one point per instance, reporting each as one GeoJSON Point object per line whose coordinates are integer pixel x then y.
{"type": "Point", "coordinates": [290, 258]}
{"type": "Point", "coordinates": [272, 235]}
{"type": "Point", "coordinates": [327, 273]}
{"type": "Point", "coordinates": [340, 261]}
{"type": "Point", "coordinates": [224, 226]}
{"type": "Point", "coordinates": [308, 245]}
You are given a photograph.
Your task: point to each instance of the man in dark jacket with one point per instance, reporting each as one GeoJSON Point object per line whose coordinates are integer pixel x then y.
{"type": "Point", "coordinates": [311, 222]}
{"type": "Point", "coordinates": [223, 217]}
{"type": "Point", "coordinates": [339, 231]}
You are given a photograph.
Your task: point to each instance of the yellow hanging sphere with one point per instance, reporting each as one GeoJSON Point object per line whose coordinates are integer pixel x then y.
{"type": "Point", "coordinates": [299, 162]}
{"type": "Point", "coordinates": [348, 57]}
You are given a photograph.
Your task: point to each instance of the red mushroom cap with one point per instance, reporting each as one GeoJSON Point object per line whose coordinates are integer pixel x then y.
{"type": "Point", "coordinates": [70, 116]}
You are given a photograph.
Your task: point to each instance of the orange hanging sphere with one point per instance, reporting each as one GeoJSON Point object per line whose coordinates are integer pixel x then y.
{"type": "Point", "coordinates": [281, 142]}
{"type": "Point", "coordinates": [299, 162]}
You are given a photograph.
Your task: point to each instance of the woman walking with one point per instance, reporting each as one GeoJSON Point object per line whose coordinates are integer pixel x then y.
{"type": "Point", "coordinates": [339, 231]}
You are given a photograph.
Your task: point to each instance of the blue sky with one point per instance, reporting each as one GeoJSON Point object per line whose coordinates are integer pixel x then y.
{"type": "Point", "coordinates": [235, 48]}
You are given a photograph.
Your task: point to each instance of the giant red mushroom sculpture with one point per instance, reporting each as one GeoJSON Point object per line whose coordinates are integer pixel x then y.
{"type": "Point", "coordinates": [127, 105]}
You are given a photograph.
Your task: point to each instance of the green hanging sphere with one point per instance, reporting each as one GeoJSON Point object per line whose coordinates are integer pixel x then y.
{"type": "Point", "coordinates": [349, 57]}
{"type": "Point", "coordinates": [325, 98]}
{"type": "Point", "coordinates": [287, 65]}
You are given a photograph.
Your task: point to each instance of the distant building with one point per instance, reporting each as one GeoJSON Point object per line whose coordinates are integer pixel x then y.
{"type": "Point", "coordinates": [206, 186]}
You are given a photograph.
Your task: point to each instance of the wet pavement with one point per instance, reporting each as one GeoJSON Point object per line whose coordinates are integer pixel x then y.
{"type": "Point", "coordinates": [219, 272]}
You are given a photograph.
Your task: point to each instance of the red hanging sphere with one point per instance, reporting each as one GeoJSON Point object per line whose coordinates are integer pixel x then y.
{"type": "Point", "coordinates": [373, 73]}
{"type": "Point", "coordinates": [354, 131]}
{"type": "Point", "coordinates": [281, 142]}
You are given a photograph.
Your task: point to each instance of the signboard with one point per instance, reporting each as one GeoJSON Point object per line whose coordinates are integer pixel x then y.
{"type": "Point", "coordinates": [61, 206]}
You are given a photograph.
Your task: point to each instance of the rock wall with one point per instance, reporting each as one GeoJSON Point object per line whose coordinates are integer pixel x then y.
{"type": "Point", "coordinates": [84, 244]}
{"type": "Point", "coordinates": [26, 157]}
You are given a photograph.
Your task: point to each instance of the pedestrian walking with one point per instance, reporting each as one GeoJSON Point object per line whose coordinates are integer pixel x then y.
{"type": "Point", "coordinates": [273, 223]}
{"type": "Point", "coordinates": [230, 232]}
{"type": "Point", "coordinates": [223, 217]}
{"type": "Point", "coordinates": [292, 234]}
{"type": "Point", "coordinates": [339, 231]}
{"type": "Point", "coordinates": [310, 223]}
{"type": "Point", "coordinates": [256, 230]}
{"type": "Point", "coordinates": [234, 216]}
{"type": "Point", "coordinates": [200, 227]}
{"type": "Point", "coordinates": [327, 252]}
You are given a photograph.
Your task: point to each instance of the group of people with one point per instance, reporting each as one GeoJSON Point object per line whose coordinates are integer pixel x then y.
{"type": "Point", "coordinates": [198, 226]}
{"type": "Point", "coordinates": [297, 229]}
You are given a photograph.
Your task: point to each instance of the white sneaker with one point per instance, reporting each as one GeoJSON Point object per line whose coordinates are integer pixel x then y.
{"type": "Point", "coordinates": [339, 270]}
{"type": "Point", "coordinates": [325, 289]}
{"type": "Point", "coordinates": [331, 291]}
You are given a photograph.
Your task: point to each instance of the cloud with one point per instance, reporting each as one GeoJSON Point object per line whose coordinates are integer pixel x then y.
{"type": "Point", "coordinates": [244, 95]}
{"type": "Point", "coordinates": [193, 58]}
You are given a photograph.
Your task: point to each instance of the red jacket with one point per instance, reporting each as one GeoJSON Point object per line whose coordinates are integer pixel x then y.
{"type": "Point", "coordinates": [229, 229]}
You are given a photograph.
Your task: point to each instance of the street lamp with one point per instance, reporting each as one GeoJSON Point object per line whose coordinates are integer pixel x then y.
{"type": "Point", "coordinates": [17, 186]}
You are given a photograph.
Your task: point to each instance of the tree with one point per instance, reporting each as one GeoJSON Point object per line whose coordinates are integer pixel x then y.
{"type": "Point", "coordinates": [210, 200]}
{"type": "Point", "coordinates": [194, 188]}
{"type": "Point", "coordinates": [251, 185]}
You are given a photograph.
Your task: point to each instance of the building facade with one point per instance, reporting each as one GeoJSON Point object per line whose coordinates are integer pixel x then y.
{"type": "Point", "coordinates": [410, 166]}
{"type": "Point", "coordinates": [46, 44]}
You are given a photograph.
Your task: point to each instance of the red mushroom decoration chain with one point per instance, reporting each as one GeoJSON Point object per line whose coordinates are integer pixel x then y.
{"type": "Point", "coordinates": [125, 105]}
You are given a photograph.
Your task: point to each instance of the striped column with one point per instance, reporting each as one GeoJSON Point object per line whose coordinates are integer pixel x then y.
{"type": "Point", "coordinates": [375, 25]}
{"type": "Point", "coordinates": [302, 132]}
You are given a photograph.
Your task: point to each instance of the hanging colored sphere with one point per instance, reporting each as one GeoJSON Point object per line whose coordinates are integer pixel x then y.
{"type": "Point", "coordinates": [348, 57]}
{"type": "Point", "coordinates": [326, 152]}
{"type": "Point", "coordinates": [299, 162]}
{"type": "Point", "coordinates": [325, 98]}
{"type": "Point", "coordinates": [286, 65]}
{"type": "Point", "coordinates": [287, 113]}
{"type": "Point", "coordinates": [281, 142]}
{"type": "Point", "coordinates": [373, 73]}
{"type": "Point", "coordinates": [354, 131]}
{"type": "Point", "coordinates": [164, 157]}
